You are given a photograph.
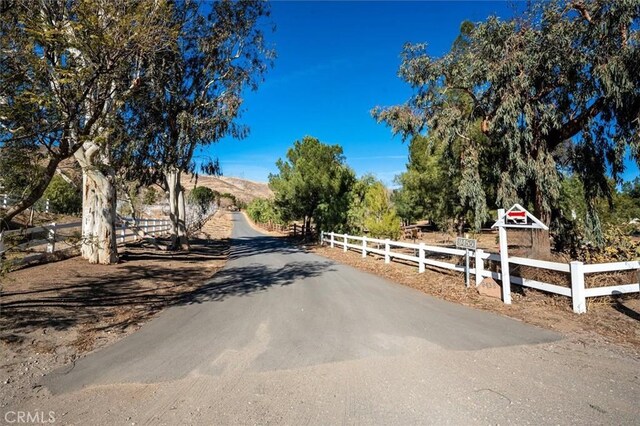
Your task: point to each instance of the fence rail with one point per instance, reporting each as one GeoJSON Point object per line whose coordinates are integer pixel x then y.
{"type": "Point", "coordinates": [576, 270]}
{"type": "Point", "coordinates": [292, 229]}
{"type": "Point", "coordinates": [127, 230]}
{"type": "Point", "coordinates": [7, 201]}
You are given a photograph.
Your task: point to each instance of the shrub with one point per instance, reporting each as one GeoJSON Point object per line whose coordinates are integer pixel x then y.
{"type": "Point", "coordinates": [202, 197]}
{"type": "Point", "coordinates": [63, 197]}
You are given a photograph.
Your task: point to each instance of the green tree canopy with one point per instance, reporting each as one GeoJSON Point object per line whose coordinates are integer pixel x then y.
{"type": "Point", "coordinates": [371, 210]}
{"type": "Point", "coordinates": [313, 183]}
{"type": "Point", "coordinates": [557, 87]}
{"type": "Point", "coordinates": [202, 197]}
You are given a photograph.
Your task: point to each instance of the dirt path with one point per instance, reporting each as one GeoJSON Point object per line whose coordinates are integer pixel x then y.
{"type": "Point", "coordinates": [54, 313]}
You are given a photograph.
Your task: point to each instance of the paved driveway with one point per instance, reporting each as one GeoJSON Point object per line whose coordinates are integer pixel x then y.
{"type": "Point", "coordinates": [286, 337]}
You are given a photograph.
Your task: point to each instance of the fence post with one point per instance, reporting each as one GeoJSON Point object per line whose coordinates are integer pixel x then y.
{"type": "Point", "coordinates": [577, 287]}
{"type": "Point", "coordinates": [46, 206]}
{"type": "Point", "coordinates": [479, 266]}
{"type": "Point", "coordinates": [421, 258]}
{"type": "Point", "coordinates": [146, 227]}
{"type": "Point", "coordinates": [1, 243]}
{"type": "Point", "coordinates": [387, 251]}
{"type": "Point", "coordinates": [321, 238]}
{"type": "Point", "coordinates": [123, 231]}
{"type": "Point", "coordinates": [504, 261]}
{"type": "Point", "coordinates": [294, 229]}
{"type": "Point", "coordinates": [364, 246]}
{"type": "Point", "coordinates": [135, 233]}
{"type": "Point", "coordinates": [51, 237]}
{"type": "Point", "coordinates": [332, 239]}
{"type": "Point", "coordinates": [344, 247]}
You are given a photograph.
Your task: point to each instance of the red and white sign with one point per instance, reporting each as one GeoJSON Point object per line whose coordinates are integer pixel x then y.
{"type": "Point", "coordinates": [518, 217]}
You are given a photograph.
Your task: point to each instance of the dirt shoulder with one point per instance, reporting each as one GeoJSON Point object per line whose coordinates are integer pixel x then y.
{"type": "Point", "coordinates": [52, 314]}
{"type": "Point", "coordinates": [258, 228]}
{"type": "Point", "coordinates": [607, 320]}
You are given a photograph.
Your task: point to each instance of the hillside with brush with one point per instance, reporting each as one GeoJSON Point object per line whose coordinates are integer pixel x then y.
{"type": "Point", "coordinates": [244, 190]}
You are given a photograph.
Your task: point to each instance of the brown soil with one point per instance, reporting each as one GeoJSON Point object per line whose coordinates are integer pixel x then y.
{"type": "Point", "coordinates": [51, 314]}
{"type": "Point", "coordinates": [612, 320]}
{"type": "Point", "coordinates": [244, 190]}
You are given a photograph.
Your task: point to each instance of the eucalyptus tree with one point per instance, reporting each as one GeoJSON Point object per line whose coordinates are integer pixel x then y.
{"type": "Point", "coordinates": [66, 66]}
{"type": "Point", "coordinates": [195, 95]}
{"type": "Point", "coordinates": [557, 87]}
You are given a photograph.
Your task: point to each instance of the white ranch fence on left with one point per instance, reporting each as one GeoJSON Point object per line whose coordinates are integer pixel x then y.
{"type": "Point", "coordinates": [419, 254]}
{"type": "Point", "coordinates": [48, 238]}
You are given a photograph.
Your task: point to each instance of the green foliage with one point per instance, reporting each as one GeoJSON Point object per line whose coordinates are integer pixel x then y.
{"type": "Point", "coordinates": [313, 183]}
{"type": "Point", "coordinates": [573, 233]}
{"type": "Point", "coordinates": [150, 196]}
{"type": "Point", "coordinates": [232, 198]}
{"type": "Point", "coordinates": [433, 188]}
{"type": "Point", "coordinates": [371, 210]}
{"type": "Point", "coordinates": [202, 197]}
{"type": "Point", "coordinates": [19, 167]}
{"type": "Point", "coordinates": [261, 210]}
{"type": "Point", "coordinates": [65, 67]}
{"type": "Point", "coordinates": [554, 89]}
{"type": "Point", "coordinates": [63, 197]}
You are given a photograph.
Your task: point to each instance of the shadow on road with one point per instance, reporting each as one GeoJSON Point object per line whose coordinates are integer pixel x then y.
{"type": "Point", "coordinates": [146, 281]}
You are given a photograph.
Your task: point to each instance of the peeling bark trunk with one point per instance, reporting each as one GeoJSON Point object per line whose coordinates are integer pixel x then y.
{"type": "Point", "coordinates": [98, 210]}
{"type": "Point", "coordinates": [177, 213]}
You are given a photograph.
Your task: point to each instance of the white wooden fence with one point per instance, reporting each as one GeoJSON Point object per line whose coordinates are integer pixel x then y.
{"type": "Point", "coordinates": [128, 231]}
{"type": "Point", "coordinates": [7, 201]}
{"type": "Point", "coordinates": [577, 270]}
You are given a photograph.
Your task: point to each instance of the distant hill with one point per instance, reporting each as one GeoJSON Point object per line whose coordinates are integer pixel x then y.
{"type": "Point", "coordinates": [243, 189]}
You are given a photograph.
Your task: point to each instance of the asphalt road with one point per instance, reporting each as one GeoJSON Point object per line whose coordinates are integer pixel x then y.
{"type": "Point", "coordinates": [280, 336]}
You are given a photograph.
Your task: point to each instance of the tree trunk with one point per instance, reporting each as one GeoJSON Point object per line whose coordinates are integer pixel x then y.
{"type": "Point", "coordinates": [34, 195]}
{"type": "Point", "coordinates": [99, 243]}
{"type": "Point", "coordinates": [177, 213]}
{"type": "Point", "coordinates": [541, 244]}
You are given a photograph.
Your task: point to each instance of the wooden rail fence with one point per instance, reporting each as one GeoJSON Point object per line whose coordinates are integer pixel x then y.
{"type": "Point", "coordinates": [576, 270]}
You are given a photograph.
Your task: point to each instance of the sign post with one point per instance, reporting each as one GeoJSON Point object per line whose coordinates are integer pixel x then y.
{"type": "Point", "coordinates": [516, 217]}
{"type": "Point", "coordinates": [467, 244]}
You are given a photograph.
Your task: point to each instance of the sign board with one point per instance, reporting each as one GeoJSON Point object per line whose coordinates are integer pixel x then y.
{"type": "Point", "coordinates": [466, 243]}
{"type": "Point", "coordinates": [518, 217]}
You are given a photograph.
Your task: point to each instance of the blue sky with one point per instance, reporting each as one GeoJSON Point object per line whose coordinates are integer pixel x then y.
{"type": "Point", "coordinates": [336, 61]}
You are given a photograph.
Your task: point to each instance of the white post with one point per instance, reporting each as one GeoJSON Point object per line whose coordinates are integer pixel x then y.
{"type": "Point", "coordinates": [387, 251]}
{"type": "Point", "coordinates": [364, 246]}
{"type": "Point", "coordinates": [421, 258]}
{"type": "Point", "coordinates": [1, 243]}
{"type": "Point", "coordinates": [123, 231]}
{"type": "Point", "coordinates": [479, 266]}
{"type": "Point", "coordinates": [577, 287]}
{"type": "Point", "coordinates": [332, 239]}
{"type": "Point", "coordinates": [321, 238]}
{"type": "Point", "coordinates": [344, 247]}
{"type": "Point", "coordinates": [51, 245]}
{"type": "Point", "coordinates": [146, 227]}
{"type": "Point", "coordinates": [4, 200]}
{"type": "Point", "coordinates": [504, 261]}
{"type": "Point", "coordinates": [46, 206]}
